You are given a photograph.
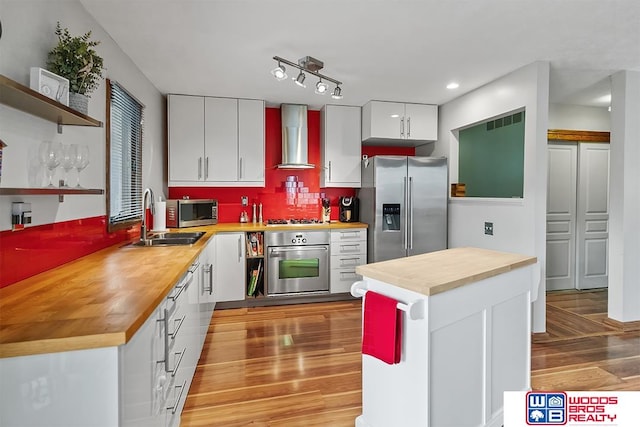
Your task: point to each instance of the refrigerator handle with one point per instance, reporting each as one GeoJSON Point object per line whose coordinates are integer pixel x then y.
{"type": "Point", "coordinates": [410, 210]}
{"type": "Point", "coordinates": [405, 237]}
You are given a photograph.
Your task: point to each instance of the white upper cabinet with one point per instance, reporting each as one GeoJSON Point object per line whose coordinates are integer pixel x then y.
{"type": "Point", "coordinates": [216, 141]}
{"type": "Point", "coordinates": [186, 138]}
{"type": "Point", "coordinates": [221, 139]}
{"type": "Point", "coordinates": [251, 142]}
{"type": "Point", "coordinates": [340, 147]}
{"type": "Point", "coordinates": [398, 123]}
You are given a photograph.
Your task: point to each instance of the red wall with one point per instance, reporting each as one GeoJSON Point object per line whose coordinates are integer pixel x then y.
{"type": "Point", "coordinates": [36, 249]}
{"type": "Point", "coordinates": [276, 203]}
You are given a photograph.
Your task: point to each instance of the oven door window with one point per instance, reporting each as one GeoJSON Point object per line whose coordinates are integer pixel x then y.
{"type": "Point", "coordinates": [298, 268]}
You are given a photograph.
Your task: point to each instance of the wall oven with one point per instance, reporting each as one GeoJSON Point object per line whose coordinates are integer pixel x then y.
{"type": "Point", "coordinates": [297, 261]}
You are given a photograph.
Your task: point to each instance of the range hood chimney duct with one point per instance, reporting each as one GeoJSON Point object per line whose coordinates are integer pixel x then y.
{"type": "Point", "coordinates": [295, 153]}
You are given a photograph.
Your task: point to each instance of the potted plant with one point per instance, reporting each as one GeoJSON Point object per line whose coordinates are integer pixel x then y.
{"type": "Point", "coordinates": [75, 58]}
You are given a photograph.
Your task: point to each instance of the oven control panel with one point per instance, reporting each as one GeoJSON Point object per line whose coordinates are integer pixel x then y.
{"type": "Point", "coordinates": [296, 238]}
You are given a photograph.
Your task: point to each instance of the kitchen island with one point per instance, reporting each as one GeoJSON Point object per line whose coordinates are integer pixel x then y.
{"type": "Point", "coordinates": [465, 337]}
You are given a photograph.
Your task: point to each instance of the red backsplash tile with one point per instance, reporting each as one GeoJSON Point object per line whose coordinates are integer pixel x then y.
{"type": "Point", "coordinates": [36, 249]}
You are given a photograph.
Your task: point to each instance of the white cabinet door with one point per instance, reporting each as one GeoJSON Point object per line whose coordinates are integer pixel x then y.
{"type": "Point", "coordinates": [382, 120]}
{"type": "Point", "coordinates": [221, 140]}
{"type": "Point", "coordinates": [230, 267]}
{"type": "Point", "coordinates": [421, 122]}
{"type": "Point", "coordinates": [186, 137]}
{"type": "Point", "coordinates": [251, 142]}
{"type": "Point", "coordinates": [403, 124]}
{"type": "Point", "coordinates": [341, 146]}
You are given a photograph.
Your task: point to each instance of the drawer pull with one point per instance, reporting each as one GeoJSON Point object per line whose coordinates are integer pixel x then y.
{"type": "Point", "coordinates": [175, 369]}
{"type": "Point", "coordinates": [174, 408]}
{"type": "Point", "coordinates": [181, 287]}
{"type": "Point", "coordinates": [180, 322]}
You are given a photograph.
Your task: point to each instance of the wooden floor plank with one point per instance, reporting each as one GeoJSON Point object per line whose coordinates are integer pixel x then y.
{"type": "Point", "coordinates": [300, 365]}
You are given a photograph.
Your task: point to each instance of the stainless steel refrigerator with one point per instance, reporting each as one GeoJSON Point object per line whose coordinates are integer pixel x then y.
{"type": "Point", "coordinates": [404, 201]}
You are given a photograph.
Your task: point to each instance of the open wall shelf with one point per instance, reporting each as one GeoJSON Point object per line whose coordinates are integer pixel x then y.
{"type": "Point", "coordinates": [57, 191]}
{"type": "Point", "coordinates": [28, 100]}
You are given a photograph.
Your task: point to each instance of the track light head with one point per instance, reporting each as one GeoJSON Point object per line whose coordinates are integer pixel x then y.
{"type": "Point", "coordinates": [337, 93]}
{"type": "Point", "coordinates": [300, 80]}
{"type": "Point", "coordinates": [279, 72]}
{"type": "Point", "coordinates": [321, 87]}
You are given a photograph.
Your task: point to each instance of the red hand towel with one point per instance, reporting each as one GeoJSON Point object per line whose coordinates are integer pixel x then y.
{"type": "Point", "coordinates": [382, 329]}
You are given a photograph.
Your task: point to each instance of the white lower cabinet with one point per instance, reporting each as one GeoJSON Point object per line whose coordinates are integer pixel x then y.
{"type": "Point", "coordinates": [229, 275]}
{"type": "Point", "coordinates": [348, 250]}
{"type": "Point", "coordinates": [142, 383]}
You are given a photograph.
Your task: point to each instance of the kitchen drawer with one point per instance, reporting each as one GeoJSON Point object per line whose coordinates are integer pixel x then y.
{"type": "Point", "coordinates": [348, 248]}
{"type": "Point", "coordinates": [342, 279]}
{"type": "Point", "coordinates": [348, 234]}
{"type": "Point", "coordinates": [347, 261]}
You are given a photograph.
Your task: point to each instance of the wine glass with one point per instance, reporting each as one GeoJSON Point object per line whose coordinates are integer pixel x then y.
{"type": "Point", "coordinates": [50, 154]}
{"type": "Point", "coordinates": [82, 160]}
{"type": "Point", "coordinates": [68, 160]}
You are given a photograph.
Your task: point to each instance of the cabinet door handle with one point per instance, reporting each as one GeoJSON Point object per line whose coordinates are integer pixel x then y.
{"type": "Point", "coordinates": [408, 127]}
{"type": "Point", "coordinates": [329, 170]}
{"type": "Point", "coordinates": [199, 167]}
{"type": "Point", "coordinates": [402, 126]}
{"type": "Point", "coordinates": [165, 321]}
{"type": "Point", "coordinates": [174, 408]}
{"type": "Point", "coordinates": [239, 250]}
{"type": "Point", "coordinates": [240, 168]}
{"type": "Point", "coordinates": [209, 271]}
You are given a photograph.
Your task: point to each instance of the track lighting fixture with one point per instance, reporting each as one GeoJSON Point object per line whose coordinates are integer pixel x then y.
{"type": "Point", "coordinates": [321, 87]}
{"type": "Point", "coordinates": [279, 72]}
{"type": "Point", "coordinates": [300, 79]}
{"type": "Point", "coordinates": [311, 66]}
{"type": "Point", "coordinates": [337, 93]}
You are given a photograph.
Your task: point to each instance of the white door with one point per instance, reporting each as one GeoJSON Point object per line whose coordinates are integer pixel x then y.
{"type": "Point", "coordinates": [593, 216]}
{"type": "Point", "coordinates": [421, 122]}
{"type": "Point", "coordinates": [221, 139]}
{"type": "Point", "coordinates": [341, 146]}
{"type": "Point", "coordinates": [229, 270]}
{"type": "Point", "coordinates": [186, 138]}
{"type": "Point", "coordinates": [251, 143]}
{"type": "Point", "coordinates": [561, 216]}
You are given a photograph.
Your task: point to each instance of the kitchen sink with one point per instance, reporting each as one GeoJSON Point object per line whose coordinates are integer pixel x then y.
{"type": "Point", "coordinates": [170, 239]}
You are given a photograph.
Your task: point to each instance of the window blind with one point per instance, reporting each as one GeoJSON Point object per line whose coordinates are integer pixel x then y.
{"type": "Point", "coordinates": [125, 157]}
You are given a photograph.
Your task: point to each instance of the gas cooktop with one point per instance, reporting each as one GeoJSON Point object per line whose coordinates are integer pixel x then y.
{"type": "Point", "coordinates": [294, 221]}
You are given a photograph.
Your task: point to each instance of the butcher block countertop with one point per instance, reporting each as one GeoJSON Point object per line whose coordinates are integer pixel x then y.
{"type": "Point", "coordinates": [441, 271]}
{"type": "Point", "coordinates": [102, 299]}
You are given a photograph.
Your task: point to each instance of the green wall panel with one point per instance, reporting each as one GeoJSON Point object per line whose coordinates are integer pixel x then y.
{"type": "Point", "coordinates": [491, 162]}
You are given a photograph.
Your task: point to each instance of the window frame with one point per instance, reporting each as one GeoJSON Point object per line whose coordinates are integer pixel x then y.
{"type": "Point", "coordinates": [136, 221]}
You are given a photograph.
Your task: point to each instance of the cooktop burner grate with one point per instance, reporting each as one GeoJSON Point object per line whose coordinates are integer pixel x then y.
{"type": "Point", "coordinates": [293, 221]}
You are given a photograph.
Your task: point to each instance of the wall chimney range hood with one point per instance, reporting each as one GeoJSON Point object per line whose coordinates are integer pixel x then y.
{"type": "Point", "coordinates": [295, 153]}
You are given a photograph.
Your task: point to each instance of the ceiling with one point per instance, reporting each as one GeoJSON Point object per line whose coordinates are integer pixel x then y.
{"type": "Point", "coordinates": [399, 50]}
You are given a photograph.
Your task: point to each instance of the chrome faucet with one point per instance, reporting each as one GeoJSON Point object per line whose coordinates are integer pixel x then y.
{"type": "Point", "coordinates": [143, 224]}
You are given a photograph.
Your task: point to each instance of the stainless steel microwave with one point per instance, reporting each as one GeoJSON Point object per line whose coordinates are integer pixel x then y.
{"type": "Point", "coordinates": [191, 212]}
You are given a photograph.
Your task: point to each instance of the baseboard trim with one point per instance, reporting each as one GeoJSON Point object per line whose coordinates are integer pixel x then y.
{"type": "Point", "coordinates": [624, 326]}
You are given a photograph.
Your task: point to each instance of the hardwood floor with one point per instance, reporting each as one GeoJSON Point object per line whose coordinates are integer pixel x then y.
{"type": "Point", "coordinates": [301, 365]}
{"type": "Point", "coordinates": [580, 352]}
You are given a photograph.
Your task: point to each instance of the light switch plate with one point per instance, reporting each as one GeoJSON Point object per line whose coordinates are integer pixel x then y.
{"type": "Point", "coordinates": [245, 200]}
